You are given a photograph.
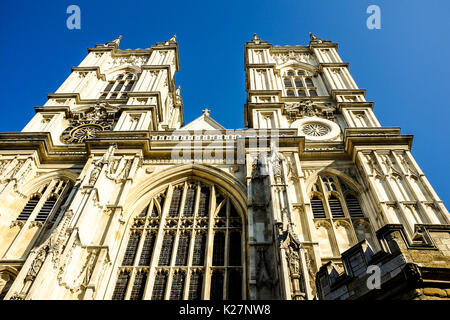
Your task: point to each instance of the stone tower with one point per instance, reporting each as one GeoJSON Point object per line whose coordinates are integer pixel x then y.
{"type": "Point", "coordinates": [107, 194]}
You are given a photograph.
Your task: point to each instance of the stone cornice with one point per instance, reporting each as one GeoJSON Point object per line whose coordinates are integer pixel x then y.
{"type": "Point", "coordinates": [355, 105]}
{"type": "Point", "coordinates": [335, 92]}
{"type": "Point", "coordinates": [96, 69]}
{"type": "Point", "coordinates": [356, 139]}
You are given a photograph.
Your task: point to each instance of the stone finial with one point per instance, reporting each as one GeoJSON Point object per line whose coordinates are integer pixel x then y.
{"type": "Point", "coordinates": [117, 41]}
{"type": "Point", "coordinates": [206, 112]}
{"type": "Point", "coordinates": [171, 40]}
{"type": "Point", "coordinates": [255, 37]}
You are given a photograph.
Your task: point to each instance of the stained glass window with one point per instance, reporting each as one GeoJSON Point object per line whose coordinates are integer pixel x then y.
{"type": "Point", "coordinates": [235, 249]}
{"type": "Point", "coordinates": [182, 252]}
{"type": "Point", "coordinates": [139, 285]}
{"type": "Point", "coordinates": [166, 250]}
{"type": "Point", "coordinates": [216, 286]}
{"type": "Point", "coordinates": [131, 250]}
{"type": "Point", "coordinates": [198, 258]}
{"type": "Point", "coordinates": [147, 249]}
{"type": "Point", "coordinates": [234, 285]}
{"type": "Point", "coordinates": [176, 293]}
{"type": "Point", "coordinates": [219, 249]}
{"type": "Point", "coordinates": [189, 203]}
{"type": "Point", "coordinates": [176, 237]}
{"type": "Point", "coordinates": [159, 287]}
{"type": "Point", "coordinates": [121, 286]}
{"type": "Point", "coordinates": [203, 207]}
{"type": "Point", "coordinates": [195, 286]}
{"type": "Point", "coordinates": [175, 204]}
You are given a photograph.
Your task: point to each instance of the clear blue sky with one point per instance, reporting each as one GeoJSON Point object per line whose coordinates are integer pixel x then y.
{"type": "Point", "coordinates": [404, 66]}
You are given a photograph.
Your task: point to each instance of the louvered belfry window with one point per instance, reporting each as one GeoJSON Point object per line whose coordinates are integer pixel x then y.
{"type": "Point", "coordinates": [317, 208]}
{"type": "Point", "coordinates": [49, 199]}
{"type": "Point", "coordinates": [29, 207]}
{"type": "Point", "coordinates": [353, 206]}
{"type": "Point", "coordinates": [167, 253]}
{"type": "Point", "coordinates": [338, 215]}
{"type": "Point", "coordinates": [336, 207]}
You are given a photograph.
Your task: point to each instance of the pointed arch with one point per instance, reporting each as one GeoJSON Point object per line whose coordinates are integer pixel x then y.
{"type": "Point", "coordinates": [234, 188]}
{"type": "Point", "coordinates": [353, 184]}
{"type": "Point", "coordinates": [199, 240]}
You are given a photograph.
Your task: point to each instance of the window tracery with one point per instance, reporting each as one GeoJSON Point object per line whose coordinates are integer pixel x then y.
{"type": "Point", "coordinates": [119, 86]}
{"type": "Point", "coordinates": [299, 83]}
{"type": "Point", "coordinates": [339, 219]}
{"type": "Point", "coordinates": [169, 239]}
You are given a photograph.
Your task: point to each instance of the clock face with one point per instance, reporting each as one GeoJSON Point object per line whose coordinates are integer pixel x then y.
{"type": "Point", "coordinates": [78, 132]}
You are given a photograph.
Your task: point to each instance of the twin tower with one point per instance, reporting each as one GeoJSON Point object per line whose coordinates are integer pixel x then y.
{"type": "Point", "coordinates": [108, 194]}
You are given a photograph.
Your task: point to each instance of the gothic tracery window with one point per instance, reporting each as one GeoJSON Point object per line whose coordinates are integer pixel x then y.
{"type": "Point", "coordinates": [167, 256]}
{"type": "Point", "coordinates": [119, 86]}
{"type": "Point", "coordinates": [49, 198]}
{"type": "Point", "coordinates": [339, 219]}
{"type": "Point", "coordinates": [299, 83]}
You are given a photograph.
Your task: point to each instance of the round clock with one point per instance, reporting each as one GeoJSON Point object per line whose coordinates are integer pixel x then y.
{"type": "Point", "coordinates": [80, 131]}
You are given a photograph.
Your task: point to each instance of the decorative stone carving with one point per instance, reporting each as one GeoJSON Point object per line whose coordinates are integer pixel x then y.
{"type": "Point", "coordinates": [308, 108]}
{"type": "Point", "coordinates": [37, 262]}
{"type": "Point", "coordinates": [292, 56]}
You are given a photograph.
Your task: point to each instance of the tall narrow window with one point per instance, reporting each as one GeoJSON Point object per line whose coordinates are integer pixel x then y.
{"type": "Point", "coordinates": [132, 246]}
{"type": "Point", "coordinates": [188, 210]}
{"type": "Point", "coordinates": [353, 206]}
{"type": "Point", "coordinates": [182, 252]}
{"type": "Point", "coordinates": [176, 293]}
{"type": "Point", "coordinates": [166, 249]}
{"type": "Point", "coordinates": [336, 207]}
{"type": "Point", "coordinates": [117, 88]}
{"type": "Point", "coordinates": [159, 287]}
{"type": "Point", "coordinates": [147, 249]}
{"type": "Point", "coordinates": [203, 207]}
{"type": "Point", "coordinates": [219, 249]}
{"type": "Point", "coordinates": [300, 82]}
{"type": "Point", "coordinates": [235, 249]}
{"type": "Point", "coordinates": [46, 209]}
{"type": "Point", "coordinates": [195, 286]}
{"type": "Point", "coordinates": [216, 286]}
{"type": "Point", "coordinates": [121, 286]}
{"type": "Point", "coordinates": [139, 285]}
{"type": "Point", "coordinates": [175, 204]}
{"type": "Point", "coordinates": [29, 207]}
{"type": "Point", "coordinates": [234, 285]}
{"type": "Point", "coordinates": [317, 208]}
{"type": "Point", "coordinates": [198, 258]}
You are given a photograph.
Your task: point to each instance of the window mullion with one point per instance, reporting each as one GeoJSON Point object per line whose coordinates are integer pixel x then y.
{"type": "Point", "coordinates": [209, 245]}
{"type": "Point", "coordinates": [157, 246]}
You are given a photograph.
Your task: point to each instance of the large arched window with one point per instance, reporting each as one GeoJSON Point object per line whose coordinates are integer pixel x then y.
{"type": "Point", "coordinates": [339, 219]}
{"type": "Point", "coordinates": [188, 243]}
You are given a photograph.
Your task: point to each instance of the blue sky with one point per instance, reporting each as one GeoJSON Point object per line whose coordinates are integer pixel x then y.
{"type": "Point", "coordinates": [404, 66]}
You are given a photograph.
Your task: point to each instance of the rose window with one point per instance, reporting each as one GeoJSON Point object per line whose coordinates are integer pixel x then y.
{"type": "Point", "coordinates": [315, 130]}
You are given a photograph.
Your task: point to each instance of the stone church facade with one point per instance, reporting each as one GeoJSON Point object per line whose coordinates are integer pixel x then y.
{"type": "Point", "coordinates": [108, 194]}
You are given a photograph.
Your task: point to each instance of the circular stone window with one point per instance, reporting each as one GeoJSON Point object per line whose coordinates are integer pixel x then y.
{"type": "Point", "coordinates": [315, 128]}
